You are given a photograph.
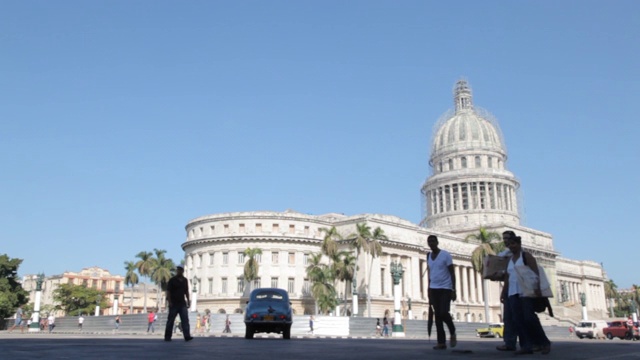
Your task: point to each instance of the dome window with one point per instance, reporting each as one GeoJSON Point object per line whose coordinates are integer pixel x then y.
{"type": "Point", "coordinates": [450, 164]}
{"type": "Point", "coordinates": [490, 162]}
{"type": "Point", "coordinates": [440, 167]}
{"type": "Point", "coordinates": [477, 159]}
{"type": "Point", "coordinates": [464, 162]}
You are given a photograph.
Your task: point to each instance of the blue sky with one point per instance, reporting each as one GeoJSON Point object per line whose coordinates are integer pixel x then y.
{"type": "Point", "coordinates": [121, 121]}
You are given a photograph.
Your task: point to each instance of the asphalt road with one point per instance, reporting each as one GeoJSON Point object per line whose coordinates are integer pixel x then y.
{"type": "Point", "coordinates": [123, 347]}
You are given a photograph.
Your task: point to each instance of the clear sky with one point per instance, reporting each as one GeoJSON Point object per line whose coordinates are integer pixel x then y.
{"type": "Point", "coordinates": [123, 120]}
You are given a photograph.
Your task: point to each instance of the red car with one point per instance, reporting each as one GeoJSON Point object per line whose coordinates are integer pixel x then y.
{"type": "Point", "coordinates": [620, 330]}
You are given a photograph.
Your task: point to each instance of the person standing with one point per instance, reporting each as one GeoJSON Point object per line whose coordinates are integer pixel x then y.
{"type": "Point", "coordinates": [385, 327]}
{"type": "Point", "coordinates": [80, 322]}
{"type": "Point", "coordinates": [378, 328]}
{"type": "Point", "coordinates": [18, 321]}
{"type": "Point", "coordinates": [311, 324]}
{"type": "Point", "coordinates": [442, 282]}
{"type": "Point", "coordinates": [227, 326]}
{"type": "Point", "coordinates": [51, 321]}
{"type": "Point", "coordinates": [118, 321]}
{"type": "Point", "coordinates": [178, 297]}
{"type": "Point", "coordinates": [527, 323]}
{"type": "Point", "coordinates": [151, 318]}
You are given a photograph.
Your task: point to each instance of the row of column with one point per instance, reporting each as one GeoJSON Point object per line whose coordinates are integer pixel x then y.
{"type": "Point", "coordinates": [594, 293]}
{"type": "Point", "coordinates": [468, 285]}
{"type": "Point", "coordinates": [472, 195]}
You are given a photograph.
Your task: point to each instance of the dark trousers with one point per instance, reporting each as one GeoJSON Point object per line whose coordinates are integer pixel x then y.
{"type": "Point", "coordinates": [526, 321]}
{"type": "Point", "coordinates": [184, 321]}
{"type": "Point", "coordinates": [441, 301]}
{"type": "Point", "coordinates": [510, 332]}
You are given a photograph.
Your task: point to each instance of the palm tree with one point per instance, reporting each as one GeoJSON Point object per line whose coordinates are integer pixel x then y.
{"type": "Point", "coordinates": [374, 249]}
{"type": "Point", "coordinates": [358, 241]}
{"type": "Point", "coordinates": [329, 244]}
{"type": "Point", "coordinates": [130, 278]}
{"type": "Point", "coordinates": [610, 292]}
{"type": "Point", "coordinates": [344, 267]}
{"type": "Point", "coordinates": [251, 267]}
{"type": "Point", "coordinates": [490, 244]}
{"type": "Point", "coordinates": [161, 274]}
{"type": "Point", "coordinates": [321, 277]}
{"type": "Point", "coordinates": [145, 268]}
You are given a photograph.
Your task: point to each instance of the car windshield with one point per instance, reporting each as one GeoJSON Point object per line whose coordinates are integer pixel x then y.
{"type": "Point", "coordinates": [269, 295]}
{"type": "Point", "coordinates": [495, 325]}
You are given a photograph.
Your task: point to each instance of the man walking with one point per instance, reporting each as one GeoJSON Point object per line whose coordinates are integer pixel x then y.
{"type": "Point", "coordinates": [178, 297]}
{"type": "Point", "coordinates": [18, 321]}
{"type": "Point", "coordinates": [80, 322]}
{"type": "Point", "coordinates": [151, 319]}
{"type": "Point", "coordinates": [442, 284]}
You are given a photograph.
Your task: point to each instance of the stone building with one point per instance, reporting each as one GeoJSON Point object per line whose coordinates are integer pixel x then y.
{"type": "Point", "coordinates": [469, 187]}
{"type": "Point", "coordinates": [118, 298]}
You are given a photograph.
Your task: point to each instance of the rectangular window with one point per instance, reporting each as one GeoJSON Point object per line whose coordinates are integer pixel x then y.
{"type": "Point", "coordinates": [201, 231]}
{"type": "Point", "coordinates": [224, 285]}
{"type": "Point", "coordinates": [490, 162]}
{"type": "Point", "coordinates": [258, 258]}
{"type": "Point", "coordinates": [275, 257]}
{"type": "Point", "coordinates": [305, 260]}
{"type": "Point", "coordinates": [241, 228]}
{"type": "Point", "coordinates": [240, 286]}
{"type": "Point", "coordinates": [258, 228]}
{"type": "Point", "coordinates": [382, 281]}
{"type": "Point", "coordinates": [199, 260]}
{"type": "Point", "coordinates": [306, 230]}
{"type": "Point", "coordinates": [465, 197]}
{"type": "Point", "coordinates": [275, 228]}
{"type": "Point", "coordinates": [274, 282]}
{"type": "Point", "coordinates": [291, 285]}
{"type": "Point", "coordinates": [447, 199]}
{"type": "Point", "coordinates": [211, 258]}
{"type": "Point", "coordinates": [292, 229]}
{"type": "Point", "coordinates": [104, 286]}
{"type": "Point", "coordinates": [212, 229]}
{"type": "Point", "coordinates": [240, 258]}
{"type": "Point", "coordinates": [85, 282]}
{"type": "Point", "coordinates": [256, 283]}
{"type": "Point", "coordinates": [292, 258]}
{"type": "Point", "coordinates": [210, 280]}
{"type": "Point", "coordinates": [226, 228]}
{"type": "Point", "coordinates": [117, 287]}
{"type": "Point", "coordinates": [455, 187]}
{"type": "Point", "coordinates": [306, 287]}
{"type": "Point", "coordinates": [225, 258]}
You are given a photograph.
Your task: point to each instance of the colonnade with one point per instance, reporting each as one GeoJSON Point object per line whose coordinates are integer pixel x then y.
{"type": "Point", "coordinates": [594, 293]}
{"type": "Point", "coordinates": [476, 195]}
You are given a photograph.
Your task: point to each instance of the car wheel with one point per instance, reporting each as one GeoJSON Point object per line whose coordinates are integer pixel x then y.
{"type": "Point", "coordinates": [286, 333]}
{"type": "Point", "coordinates": [580, 336]}
{"type": "Point", "coordinates": [610, 336]}
{"type": "Point", "coordinates": [248, 332]}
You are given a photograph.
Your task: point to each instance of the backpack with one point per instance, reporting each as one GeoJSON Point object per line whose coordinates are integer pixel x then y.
{"type": "Point", "coordinates": [540, 304]}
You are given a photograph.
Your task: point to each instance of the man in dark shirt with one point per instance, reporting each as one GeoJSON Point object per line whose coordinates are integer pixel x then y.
{"type": "Point", "coordinates": [178, 297]}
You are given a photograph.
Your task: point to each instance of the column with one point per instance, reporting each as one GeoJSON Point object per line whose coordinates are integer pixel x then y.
{"type": "Point", "coordinates": [451, 205]}
{"type": "Point", "coordinates": [465, 285]}
{"type": "Point", "coordinates": [473, 286]}
{"type": "Point", "coordinates": [480, 293]}
{"type": "Point", "coordinates": [456, 269]}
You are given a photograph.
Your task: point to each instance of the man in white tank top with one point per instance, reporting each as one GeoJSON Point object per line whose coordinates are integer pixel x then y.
{"type": "Point", "coordinates": [442, 284]}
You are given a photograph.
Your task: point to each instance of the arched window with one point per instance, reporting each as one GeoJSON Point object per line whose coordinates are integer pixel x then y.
{"type": "Point", "coordinates": [464, 162]}
{"type": "Point", "coordinates": [440, 167]}
{"type": "Point", "coordinates": [477, 161]}
{"type": "Point", "coordinates": [450, 164]}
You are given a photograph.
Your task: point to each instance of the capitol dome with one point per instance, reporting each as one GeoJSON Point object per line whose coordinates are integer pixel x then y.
{"type": "Point", "coordinates": [465, 128]}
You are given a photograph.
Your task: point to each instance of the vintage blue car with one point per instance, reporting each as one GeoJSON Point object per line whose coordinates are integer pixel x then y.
{"type": "Point", "coordinates": [268, 311]}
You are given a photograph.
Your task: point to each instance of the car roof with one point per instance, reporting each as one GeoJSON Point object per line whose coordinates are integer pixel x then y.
{"type": "Point", "coordinates": [269, 291]}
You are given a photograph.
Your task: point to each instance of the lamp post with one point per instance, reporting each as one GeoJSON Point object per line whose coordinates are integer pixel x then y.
{"type": "Point", "coordinates": [35, 318]}
{"type": "Point", "coordinates": [583, 302]}
{"type": "Point", "coordinates": [98, 298]}
{"type": "Point", "coordinates": [194, 296]}
{"type": "Point", "coordinates": [354, 296]}
{"type": "Point", "coordinates": [396, 273]}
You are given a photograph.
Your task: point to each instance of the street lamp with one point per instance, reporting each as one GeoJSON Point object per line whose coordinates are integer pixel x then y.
{"type": "Point", "coordinates": [35, 318]}
{"type": "Point", "coordinates": [194, 296]}
{"type": "Point", "coordinates": [396, 272]}
{"type": "Point", "coordinates": [98, 298]}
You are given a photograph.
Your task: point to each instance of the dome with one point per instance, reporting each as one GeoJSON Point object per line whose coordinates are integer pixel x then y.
{"type": "Point", "coordinates": [466, 127]}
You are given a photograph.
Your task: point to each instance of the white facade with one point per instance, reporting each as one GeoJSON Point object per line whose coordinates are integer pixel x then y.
{"type": "Point", "coordinates": [469, 187]}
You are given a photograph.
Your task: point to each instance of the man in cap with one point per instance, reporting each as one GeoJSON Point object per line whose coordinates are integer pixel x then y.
{"type": "Point", "coordinates": [178, 297]}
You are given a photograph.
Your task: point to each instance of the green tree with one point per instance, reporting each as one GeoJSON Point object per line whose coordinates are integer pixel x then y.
{"type": "Point", "coordinates": [131, 279]}
{"type": "Point", "coordinates": [344, 267]}
{"type": "Point", "coordinates": [77, 299]}
{"type": "Point", "coordinates": [321, 278]}
{"type": "Point", "coordinates": [611, 293]}
{"type": "Point", "coordinates": [12, 294]}
{"type": "Point", "coordinates": [251, 267]}
{"type": "Point", "coordinates": [374, 249]}
{"type": "Point", "coordinates": [367, 241]}
{"type": "Point", "coordinates": [329, 241]}
{"type": "Point", "coordinates": [490, 243]}
{"type": "Point", "coordinates": [145, 267]}
{"type": "Point", "coordinates": [161, 273]}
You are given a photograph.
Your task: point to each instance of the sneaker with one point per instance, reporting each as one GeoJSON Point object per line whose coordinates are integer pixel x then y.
{"type": "Point", "coordinates": [453, 341]}
{"type": "Point", "coordinates": [440, 347]}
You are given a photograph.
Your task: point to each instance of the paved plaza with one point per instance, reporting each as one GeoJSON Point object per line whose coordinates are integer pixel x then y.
{"type": "Point", "coordinates": [121, 347]}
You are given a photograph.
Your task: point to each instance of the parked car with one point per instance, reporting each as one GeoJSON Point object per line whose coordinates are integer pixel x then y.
{"type": "Point", "coordinates": [591, 329]}
{"type": "Point", "coordinates": [619, 329]}
{"type": "Point", "coordinates": [268, 311]}
{"type": "Point", "coordinates": [493, 330]}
